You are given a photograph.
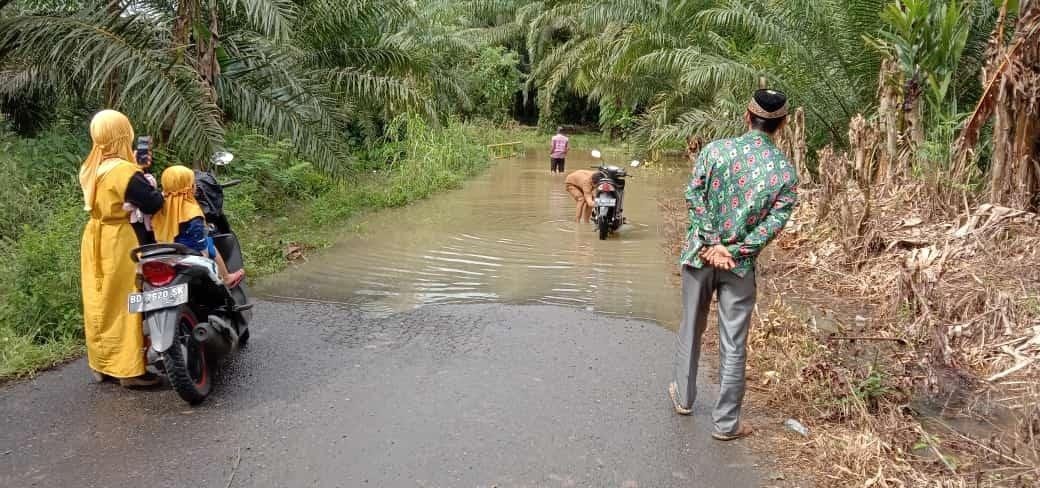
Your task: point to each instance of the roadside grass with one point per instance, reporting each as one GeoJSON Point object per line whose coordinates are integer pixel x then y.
{"type": "Point", "coordinates": [414, 163]}
{"type": "Point", "coordinates": [284, 208]}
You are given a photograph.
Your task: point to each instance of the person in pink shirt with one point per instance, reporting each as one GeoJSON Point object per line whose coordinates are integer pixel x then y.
{"type": "Point", "coordinates": [558, 151]}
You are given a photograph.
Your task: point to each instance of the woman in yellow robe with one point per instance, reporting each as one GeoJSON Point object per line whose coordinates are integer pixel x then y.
{"type": "Point", "coordinates": [115, 341]}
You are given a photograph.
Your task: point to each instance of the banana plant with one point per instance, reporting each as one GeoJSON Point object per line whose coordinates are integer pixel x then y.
{"type": "Point", "coordinates": [928, 39]}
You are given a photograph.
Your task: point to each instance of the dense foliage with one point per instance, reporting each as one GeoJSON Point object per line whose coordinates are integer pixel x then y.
{"type": "Point", "coordinates": [326, 74]}
{"type": "Point", "coordinates": [41, 219]}
{"type": "Point", "coordinates": [686, 67]}
{"type": "Point", "coordinates": [329, 74]}
{"type": "Point", "coordinates": [314, 91]}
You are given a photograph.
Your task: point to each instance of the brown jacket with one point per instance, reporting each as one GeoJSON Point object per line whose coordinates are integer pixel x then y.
{"type": "Point", "coordinates": [582, 179]}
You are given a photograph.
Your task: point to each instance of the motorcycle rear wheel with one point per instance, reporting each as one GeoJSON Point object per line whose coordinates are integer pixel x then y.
{"type": "Point", "coordinates": [603, 222]}
{"type": "Point", "coordinates": [186, 363]}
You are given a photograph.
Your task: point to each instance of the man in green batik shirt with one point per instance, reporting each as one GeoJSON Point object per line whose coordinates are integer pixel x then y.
{"type": "Point", "coordinates": [741, 194]}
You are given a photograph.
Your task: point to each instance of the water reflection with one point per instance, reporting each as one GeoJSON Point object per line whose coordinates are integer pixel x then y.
{"type": "Point", "coordinates": [504, 237]}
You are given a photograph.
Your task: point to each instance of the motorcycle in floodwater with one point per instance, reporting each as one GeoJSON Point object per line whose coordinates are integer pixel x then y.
{"type": "Point", "coordinates": [191, 320]}
{"type": "Point", "coordinates": [609, 196]}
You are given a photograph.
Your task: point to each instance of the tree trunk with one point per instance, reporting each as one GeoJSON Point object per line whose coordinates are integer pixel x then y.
{"type": "Point", "coordinates": [182, 27]}
{"type": "Point", "coordinates": [791, 142]}
{"type": "Point", "coordinates": [1001, 139]}
{"type": "Point", "coordinates": [208, 66]}
{"type": "Point", "coordinates": [863, 143]}
{"type": "Point", "coordinates": [913, 111]}
{"type": "Point", "coordinates": [114, 84]}
{"type": "Point", "coordinates": [888, 123]}
{"type": "Point", "coordinates": [196, 35]}
{"type": "Point", "coordinates": [1026, 159]}
{"type": "Point", "coordinates": [915, 122]}
{"type": "Point", "coordinates": [799, 147]}
{"type": "Point", "coordinates": [1014, 178]}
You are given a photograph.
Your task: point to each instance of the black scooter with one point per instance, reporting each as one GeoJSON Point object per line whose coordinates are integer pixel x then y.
{"type": "Point", "coordinates": [609, 196]}
{"type": "Point", "coordinates": [191, 319]}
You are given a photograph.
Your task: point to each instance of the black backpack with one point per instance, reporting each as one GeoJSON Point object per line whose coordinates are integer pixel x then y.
{"type": "Point", "coordinates": [210, 195]}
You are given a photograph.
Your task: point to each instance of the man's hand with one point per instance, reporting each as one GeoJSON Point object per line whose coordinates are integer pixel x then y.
{"type": "Point", "coordinates": [718, 257]}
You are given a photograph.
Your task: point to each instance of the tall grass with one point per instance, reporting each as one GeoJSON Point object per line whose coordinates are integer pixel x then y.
{"type": "Point", "coordinates": [40, 220]}
{"type": "Point", "coordinates": [413, 162]}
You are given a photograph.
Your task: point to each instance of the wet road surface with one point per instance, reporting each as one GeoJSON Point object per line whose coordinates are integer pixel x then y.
{"type": "Point", "coordinates": [444, 396]}
{"type": "Point", "coordinates": [452, 343]}
{"type": "Point", "coordinates": [507, 236]}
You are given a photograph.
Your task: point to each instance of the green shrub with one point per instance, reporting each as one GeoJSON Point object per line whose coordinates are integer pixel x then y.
{"type": "Point", "coordinates": [272, 166]}
{"type": "Point", "coordinates": [39, 278]}
{"type": "Point", "coordinates": [282, 199]}
{"type": "Point", "coordinates": [34, 171]}
{"type": "Point", "coordinates": [492, 78]}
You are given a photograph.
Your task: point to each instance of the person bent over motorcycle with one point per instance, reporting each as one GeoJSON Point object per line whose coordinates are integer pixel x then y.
{"type": "Point", "coordinates": [181, 220]}
{"type": "Point", "coordinates": [579, 185]}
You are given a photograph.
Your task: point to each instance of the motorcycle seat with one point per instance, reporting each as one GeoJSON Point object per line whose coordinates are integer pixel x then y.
{"type": "Point", "coordinates": [153, 250]}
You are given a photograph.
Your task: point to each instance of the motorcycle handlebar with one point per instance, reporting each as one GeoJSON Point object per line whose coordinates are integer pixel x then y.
{"type": "Point", "coordinates": [230, 183]}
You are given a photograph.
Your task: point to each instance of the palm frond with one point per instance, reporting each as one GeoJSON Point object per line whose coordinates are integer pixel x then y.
{"type": "Point", "coordinates": [100, 49]}
{"type": "Point", "coordinates": [23, 78]}
{"type": "Point", "coordinates": [260, 85]}
{"type": "Point", "coordinates": [393, 93]}
{"type": "Point", "coordinates": [269, 17]}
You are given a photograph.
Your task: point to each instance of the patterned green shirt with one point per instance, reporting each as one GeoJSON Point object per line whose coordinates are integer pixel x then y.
{"type": "Point", "coordinates": [741, 194]}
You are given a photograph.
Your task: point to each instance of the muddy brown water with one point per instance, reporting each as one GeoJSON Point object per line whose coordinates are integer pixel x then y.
{"type": "Point", "coordinates": [506, 236]}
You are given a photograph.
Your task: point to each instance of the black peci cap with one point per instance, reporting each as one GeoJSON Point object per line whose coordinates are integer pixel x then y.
{"type": "Point", "coordinates": [769, 104]}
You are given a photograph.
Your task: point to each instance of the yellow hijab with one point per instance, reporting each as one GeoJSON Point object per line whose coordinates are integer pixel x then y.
{"type": "Point", "coordinates": [178, 184]}
{"type": "Point", "coordinates": [113, 138]}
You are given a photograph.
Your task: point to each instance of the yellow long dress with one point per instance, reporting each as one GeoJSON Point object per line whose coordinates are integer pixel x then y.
{"type": "Point", "coordinates": [115, 341]}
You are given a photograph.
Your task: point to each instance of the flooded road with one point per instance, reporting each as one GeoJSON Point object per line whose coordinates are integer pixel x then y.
{"type": "Point", "coordinates": [396, 371]}
{"type": "Point", "coordinates": [507, 236]}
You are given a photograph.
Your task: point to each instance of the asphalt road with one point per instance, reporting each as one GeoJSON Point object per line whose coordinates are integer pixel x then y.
{"type": "Point", "coordinates": [453, 396]}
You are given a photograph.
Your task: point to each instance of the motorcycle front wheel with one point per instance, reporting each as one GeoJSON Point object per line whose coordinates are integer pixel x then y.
{"type": "Point", "coordinates": [186, 364]}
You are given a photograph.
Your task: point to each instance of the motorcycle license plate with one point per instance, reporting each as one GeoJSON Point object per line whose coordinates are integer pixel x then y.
{"type": "Point", "coordinates": [159, 298]}
{"type": "Point", "coordinates": [606, 202]}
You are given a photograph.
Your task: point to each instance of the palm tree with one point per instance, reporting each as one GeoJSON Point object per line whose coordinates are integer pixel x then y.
{"type": "Point", "coordinates": [689, 65]}
{"type": "Point", "coordinates": [304, 70]}
{"type": "Point", "coordinates": [686, 67]}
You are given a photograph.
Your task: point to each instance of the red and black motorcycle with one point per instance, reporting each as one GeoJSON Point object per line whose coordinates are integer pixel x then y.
{"type": "Point", "coordinates": [191, 319]}
{"type": "Point", "coordinates": [609, 196]}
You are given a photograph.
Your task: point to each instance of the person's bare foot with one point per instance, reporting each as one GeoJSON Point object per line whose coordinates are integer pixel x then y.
{"type": "Point", "coordinates": [98, 376]}
{"type": "Point", "coordinates": [233, 279]}
{"type": "Point", "coordinates": [743, 430]}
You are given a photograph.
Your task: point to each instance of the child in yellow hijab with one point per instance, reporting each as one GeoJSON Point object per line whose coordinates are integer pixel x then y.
{"type": "Point", "coordinates": [181, 220]}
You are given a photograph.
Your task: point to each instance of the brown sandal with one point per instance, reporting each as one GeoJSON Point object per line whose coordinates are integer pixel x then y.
{"type": "Point", "coordinates": [743, 430]}
{"type": "Point", "coordinates": [146, 380]}
{"type": "Point", "coordinates": [673, 392]}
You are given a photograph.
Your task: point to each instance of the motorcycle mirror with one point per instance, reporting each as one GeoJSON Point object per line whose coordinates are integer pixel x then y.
{"type": "Point", "coordinates": [635, 163]}
{"type": "Point", "coordinates": [222, 158]}
{"type": "Point", "coordinates": [596, 154]}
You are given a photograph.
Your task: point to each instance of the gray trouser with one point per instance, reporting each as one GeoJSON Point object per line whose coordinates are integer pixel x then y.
{"type": "Point", "coordinates": [736, 302]}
